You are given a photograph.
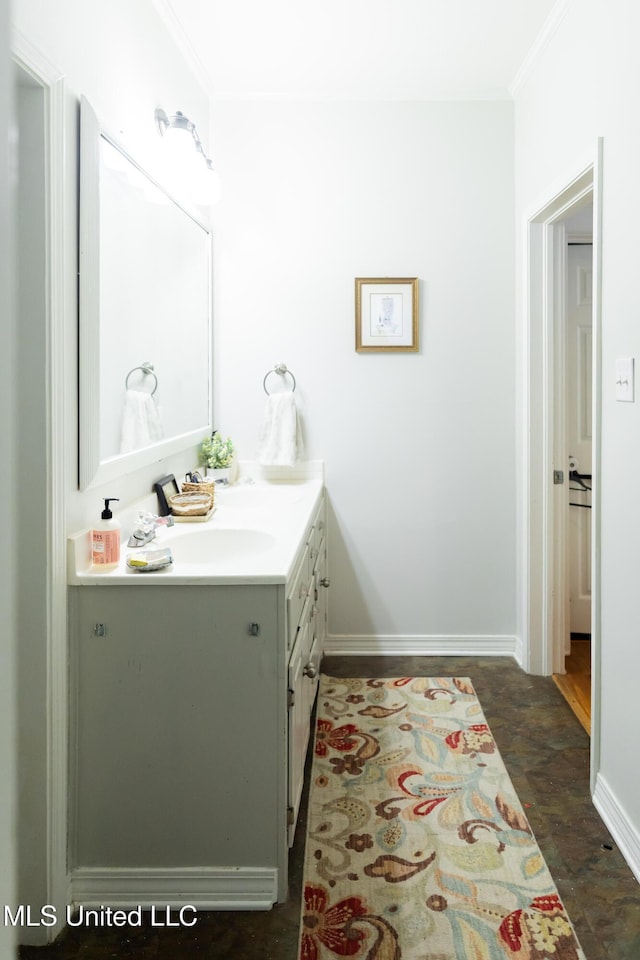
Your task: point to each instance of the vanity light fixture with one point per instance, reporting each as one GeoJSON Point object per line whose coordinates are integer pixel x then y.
{"type": "Point", "coordinates": [203, 179]}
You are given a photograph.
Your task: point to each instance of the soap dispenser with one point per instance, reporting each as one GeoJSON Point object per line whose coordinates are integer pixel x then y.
{"type": "Point", "coordinates": [105, 538]}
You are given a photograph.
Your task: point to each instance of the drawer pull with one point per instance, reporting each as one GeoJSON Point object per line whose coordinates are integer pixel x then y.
{"type": "Point", "coordinates": [310, 670]}
{"type": "Point", "coordinates": [325, 582]}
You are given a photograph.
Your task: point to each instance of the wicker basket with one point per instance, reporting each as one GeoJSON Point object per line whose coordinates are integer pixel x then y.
{"type": "Point", "coordinates": [191, 504]}
{"type": "Point", "coordinates": [206, 486]}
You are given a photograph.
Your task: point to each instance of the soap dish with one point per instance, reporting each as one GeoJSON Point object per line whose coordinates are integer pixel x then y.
{"type": "Point", "coordinates": [145, 561]}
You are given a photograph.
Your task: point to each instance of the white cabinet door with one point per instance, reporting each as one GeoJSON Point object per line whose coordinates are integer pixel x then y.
{"type": "Point", "coordinates": [306, 630]}
{"type": "Point", "coordinates": [579, 432]}
{"type": "Point", "coordinates": [304, 670]}
{"type": "Point", "coordinates": [298, 729]}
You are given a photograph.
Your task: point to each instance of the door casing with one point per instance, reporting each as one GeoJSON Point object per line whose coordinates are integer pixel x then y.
{"type": "Point", "coordinates": [50, 80]}
{"type": "Point", "coordinates": [544, 603]}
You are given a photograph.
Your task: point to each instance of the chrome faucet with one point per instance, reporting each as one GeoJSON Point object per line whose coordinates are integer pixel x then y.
{"type": "Point", "coordinates": [145, 531]}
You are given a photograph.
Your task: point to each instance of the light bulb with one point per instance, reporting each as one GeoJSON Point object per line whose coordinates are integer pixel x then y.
{"type": "Point", "coordinates": [185, 161]}
{"type": "Point", "coordinates": [179, 145]}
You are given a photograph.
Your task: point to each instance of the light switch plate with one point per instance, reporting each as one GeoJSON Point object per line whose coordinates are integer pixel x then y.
{"type": "Point", "coordinates": [624, 379]}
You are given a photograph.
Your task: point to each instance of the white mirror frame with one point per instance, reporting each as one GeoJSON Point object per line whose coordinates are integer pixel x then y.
{"type": "Point", "coordinates": [93, 471]}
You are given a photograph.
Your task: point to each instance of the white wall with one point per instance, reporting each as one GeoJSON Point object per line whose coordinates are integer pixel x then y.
{"type": "Point", "coordinates": [8, 598]}
{"type": "Point", "coordinates": [419, 448]}
{"type": "Point", "coordinates": [120, 56]}
{"type": "Point", "coordinates": [31, 502]}
{"type": "Point", "coordinates": [584, 85]}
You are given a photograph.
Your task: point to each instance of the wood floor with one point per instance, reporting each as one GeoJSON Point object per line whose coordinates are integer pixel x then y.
{"type": "Point", "coordinates": [575, 684]}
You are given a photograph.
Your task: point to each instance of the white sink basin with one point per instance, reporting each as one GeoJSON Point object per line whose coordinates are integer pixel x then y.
{"type": "Point", "coordinates": [220, 545]}
{"type": "Point", "coordinates": [253, 537]}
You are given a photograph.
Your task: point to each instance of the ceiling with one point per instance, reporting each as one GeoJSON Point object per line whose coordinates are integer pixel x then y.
{"type": "Point", "coordinates": [358, 49]}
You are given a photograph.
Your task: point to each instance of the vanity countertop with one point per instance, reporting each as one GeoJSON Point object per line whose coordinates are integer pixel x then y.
{"type": "Point", "coordinates": [254, 536]}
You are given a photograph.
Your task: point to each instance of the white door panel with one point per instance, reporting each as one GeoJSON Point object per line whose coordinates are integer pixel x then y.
{"type": "Point", "coordinates": [579, 431]}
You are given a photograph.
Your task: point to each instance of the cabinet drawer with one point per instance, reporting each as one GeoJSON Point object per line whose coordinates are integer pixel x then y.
{"type": "Point", "coordinates": [303, 582]}
{"type": "Point", "coordinates": [307, 624]}
{"type": "Point", "coordinates": [302, 635]}
{"type": "Point", "coordinates": [317, 535]}
{"type": "Point", "coordinates": [303, 677]}
{"type": "Point", "coordinates": [299, 593]}
{"type": "Point", "coordinates": [312, 665]}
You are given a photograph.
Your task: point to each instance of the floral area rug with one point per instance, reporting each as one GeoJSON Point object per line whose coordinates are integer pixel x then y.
{"type": "Point", "coordinates": [417, 845]}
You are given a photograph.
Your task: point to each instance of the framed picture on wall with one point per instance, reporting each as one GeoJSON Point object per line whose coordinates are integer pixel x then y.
{"type": "Point", "coordinates": [386, 314]}
{"type": "Point", "coordinates": [165, 488]}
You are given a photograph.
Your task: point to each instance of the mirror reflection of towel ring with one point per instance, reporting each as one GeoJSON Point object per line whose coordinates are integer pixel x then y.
{"type": "Point", "coordinates": [147, 370]}
{"type": "Point", "coordinates": [281, 370]}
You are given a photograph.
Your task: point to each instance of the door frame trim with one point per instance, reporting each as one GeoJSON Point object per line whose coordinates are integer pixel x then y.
{"type": "Point", "coordinates": [542, 560]}
{"type": "Point", "coordinates": [51, 81]}
{"type": "Point", "coordinates": [558, 512]}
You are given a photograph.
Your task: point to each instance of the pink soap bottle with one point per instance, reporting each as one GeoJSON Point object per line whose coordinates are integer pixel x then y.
{"type": "Point", "coordinates": [105, 539]}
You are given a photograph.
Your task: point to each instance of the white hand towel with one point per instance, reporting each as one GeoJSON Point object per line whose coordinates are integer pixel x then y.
{"type": "Point", "coordinates": [280, 439]}
{"type": "Point", "coordinates": [141, 425]}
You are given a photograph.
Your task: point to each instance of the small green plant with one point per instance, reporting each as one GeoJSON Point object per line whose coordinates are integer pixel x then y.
{"type": "Point", "coordinates": [216, 453]}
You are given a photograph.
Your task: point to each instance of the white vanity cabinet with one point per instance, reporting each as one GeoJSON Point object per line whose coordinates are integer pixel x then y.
{"type": "Point", "coordinates": [190, 724]}
{"type": "Point", "coordinates": [307, 612]}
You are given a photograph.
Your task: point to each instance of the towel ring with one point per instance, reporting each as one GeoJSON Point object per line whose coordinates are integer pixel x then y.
{"type": "Point", "coordinates": [147, 370]}
{"type": "Point", "coordinates": [281, 370]}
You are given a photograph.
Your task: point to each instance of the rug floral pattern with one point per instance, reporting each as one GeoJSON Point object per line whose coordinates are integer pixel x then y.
{"type": "Point", "coordinates": [417, 845]}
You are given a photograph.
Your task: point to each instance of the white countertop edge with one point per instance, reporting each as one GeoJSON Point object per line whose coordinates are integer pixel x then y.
{"type": "Point", "coordinates": [166, 578]}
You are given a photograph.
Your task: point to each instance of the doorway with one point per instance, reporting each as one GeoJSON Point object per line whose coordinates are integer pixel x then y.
{"type": "Point", "coordinates": [575, 421]}
{"type": "Point", "coordinates": [545, 520]}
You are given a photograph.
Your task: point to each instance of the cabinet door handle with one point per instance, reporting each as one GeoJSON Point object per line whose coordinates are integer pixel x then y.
{"type": "Point", "coordinates": [325, 582]}
{"type": "Point", "coordinates": [310, 670]}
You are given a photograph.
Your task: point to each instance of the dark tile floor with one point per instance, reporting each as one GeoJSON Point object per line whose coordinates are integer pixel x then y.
{"type": "Point", "coordinates": [546, 752]}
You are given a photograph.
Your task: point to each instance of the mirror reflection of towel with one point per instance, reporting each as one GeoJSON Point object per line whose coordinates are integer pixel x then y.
{"type": "Point", "coordinates": [141, 424]}
{"type": "Point", "coordinates": [281, 438]}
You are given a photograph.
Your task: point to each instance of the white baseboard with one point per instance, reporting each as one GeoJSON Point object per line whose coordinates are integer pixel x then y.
{"type": "Point", "coordinates": [422, 646]}
{"type": "Point", "coordinates": [617, 822]}
{"type": "Point", "coordinates": [207, 888]}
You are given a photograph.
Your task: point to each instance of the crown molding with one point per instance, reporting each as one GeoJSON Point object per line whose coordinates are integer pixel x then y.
{"type": "Point", "coordinates": [174, 26]}
{"type": "Point", "coordinates": [549, 27]}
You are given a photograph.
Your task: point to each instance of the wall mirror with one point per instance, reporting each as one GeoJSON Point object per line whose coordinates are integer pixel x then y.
{"type": "Point", "coordinates": [145, 315]}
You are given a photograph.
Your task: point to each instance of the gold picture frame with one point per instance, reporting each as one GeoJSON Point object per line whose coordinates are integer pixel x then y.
{"type": "Point", "coordinates": [387, 314]}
